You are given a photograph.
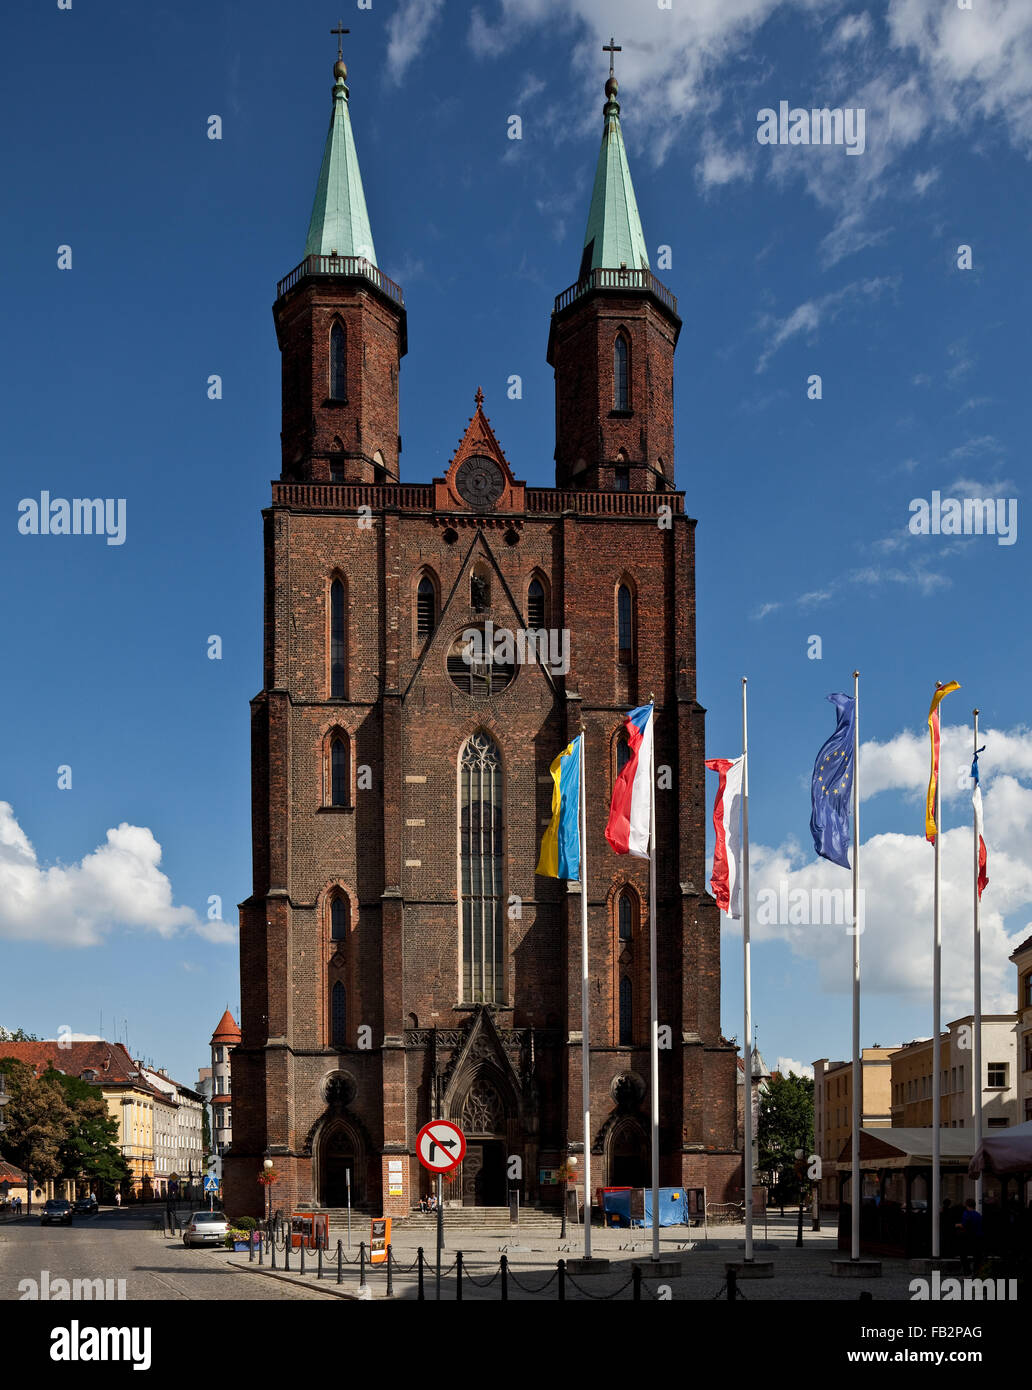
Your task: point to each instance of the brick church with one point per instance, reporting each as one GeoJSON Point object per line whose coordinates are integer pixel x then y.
{"type": "Point", "coordinates": [400, 960]}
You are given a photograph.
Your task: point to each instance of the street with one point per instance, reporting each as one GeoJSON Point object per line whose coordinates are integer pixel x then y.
{"type": "Point", "coordinates": [124, 1245]}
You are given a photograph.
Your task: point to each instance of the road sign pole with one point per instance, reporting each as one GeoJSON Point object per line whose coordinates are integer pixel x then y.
{"type": "Point", "coordinates": [440, 1235]}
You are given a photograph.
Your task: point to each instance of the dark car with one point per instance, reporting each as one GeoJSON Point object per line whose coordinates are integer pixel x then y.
{"type": "Point", "coordinates": [85, 1206]}
{"type": "Point", "coordinates": [57, 1212]}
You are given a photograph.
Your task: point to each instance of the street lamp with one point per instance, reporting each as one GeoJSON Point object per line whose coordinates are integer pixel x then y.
{"type": "Point", "coordinates": [267, 1165]}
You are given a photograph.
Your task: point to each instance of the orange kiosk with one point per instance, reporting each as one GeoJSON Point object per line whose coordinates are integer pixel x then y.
{"type": "Point", "coordinates": [379, 1239]}
{"type": "Point", "coordinates": [310, 1229]}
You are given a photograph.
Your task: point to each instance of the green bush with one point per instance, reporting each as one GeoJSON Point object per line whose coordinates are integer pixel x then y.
{"type": "Point", "coordinates": [245, 1223]}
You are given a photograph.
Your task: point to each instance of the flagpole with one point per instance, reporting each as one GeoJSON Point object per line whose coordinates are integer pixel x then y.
{"type": "Point", "coordinates": [585, 1011]}
{"type": "Point", "coordinates": [854, 1181]}
{"type": "Point", "coordinates": [747, 1108]}
{"type": "Point", "coordinates": [937, 1002]}
{"type": "Point", "coordinates": [977, 1079]}
{"type": "Point", "coordinates": [653, 990]}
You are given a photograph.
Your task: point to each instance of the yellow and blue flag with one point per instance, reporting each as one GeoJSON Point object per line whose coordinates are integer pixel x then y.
{"type": "Point", "coordinates": [560, 844]}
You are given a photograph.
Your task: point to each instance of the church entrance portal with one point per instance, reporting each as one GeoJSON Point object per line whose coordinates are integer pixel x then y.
{"type": "Point", "coordinates": [338, 1164]}
{"type": "Point", "coordinates": [629, 1157]}
{"type": "Point", "coordinates": [483, 1174]}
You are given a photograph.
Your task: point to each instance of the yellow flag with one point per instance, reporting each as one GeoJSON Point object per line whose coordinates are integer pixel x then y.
{"type": "Point", "coordinates": [933, 729]}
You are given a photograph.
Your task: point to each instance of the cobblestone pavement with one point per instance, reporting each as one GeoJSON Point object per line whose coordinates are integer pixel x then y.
{"type": "Point", "coordinates": [798, 1274]}
{"type": "Point", "coordinates": [125, 1245]}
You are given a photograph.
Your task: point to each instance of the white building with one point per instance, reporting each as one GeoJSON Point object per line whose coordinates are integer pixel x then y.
{"type": "Point", "coordinates": [178, 1135]}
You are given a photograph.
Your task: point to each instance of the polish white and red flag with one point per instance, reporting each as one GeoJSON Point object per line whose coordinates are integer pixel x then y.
{"type": "Point", "coordinates": [983, 857]}
{"type": "Point", "coordinates": [727, 822]}
{"type": "Point", "coordinates": [630, 812]}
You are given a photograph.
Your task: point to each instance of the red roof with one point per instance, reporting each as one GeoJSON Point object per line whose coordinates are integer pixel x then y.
{"type": "Point", "coordinates": [110, 1063]}
{"type": "Point", "coordinates": [9, 1173]}
{"type": "Point", "coordinates": [227, 1031]}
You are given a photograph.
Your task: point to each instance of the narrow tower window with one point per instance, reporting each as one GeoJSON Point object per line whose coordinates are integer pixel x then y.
{"type": "Point", "coordinates": [621, 395]}
{"type": "Point", "coordinates": [625, 916]}
{"type": "Point", "coordinates": [481, 860]}
{"type": "Point", "coordinates": [626, 1011]}
{"type": "Point", "coordinates": [624, 623]}
{"type": "Point", "coordinates": [426, 607]}
{"type": "Point", "coordinates": [339, 914]}
{"type": "Point", "coordinates": [338, 363]}
{"type": "Point", "coordinates": [338, 641]}
{"type": "Point", "coordinates": [536, 604]}
{"type": "Point", "coordinates": [339, 772]}
{"type": "Point", "coordinates": [339, 1015]}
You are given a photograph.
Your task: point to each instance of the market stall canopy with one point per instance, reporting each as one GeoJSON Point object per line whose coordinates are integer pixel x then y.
{"type": "Point", "coordinates": [1004, 1151]}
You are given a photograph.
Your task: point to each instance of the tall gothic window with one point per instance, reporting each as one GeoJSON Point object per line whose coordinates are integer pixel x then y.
{"type": "Point", "coordinates": [338, 363]}
{"type": "Point", "coordinates": [338, 640]}
{"type": "Point", "coordinates": [626, 915]}
{"type": "Point", "coordinates": [621, 392]}
{"type": "Point", "coordinates": [339, 779]}
{"type": "Point", "coordinates": [481, 854]}
{"type": "Point", "coordinates": [339, 915]}
{"type": "Point", "coordinates": [536, 604]}
{"type": "Point", "coordinates": [338, 1016]}
{"type": "Point", "coordinates": [624, 623]}
{"type": "Point", "coordinates": [426, 607]}
{"type": "Point", "coordinates": [623, 753]}
{"type": "Point", "coordinates": [626, 1011]}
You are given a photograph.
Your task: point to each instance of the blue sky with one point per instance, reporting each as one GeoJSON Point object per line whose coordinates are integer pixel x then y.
{"type": "Point", "coordinates": [788, 261]}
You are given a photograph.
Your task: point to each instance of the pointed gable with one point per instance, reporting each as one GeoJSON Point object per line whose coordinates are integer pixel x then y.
{"type": "Point", "coordinates": [472, 486]}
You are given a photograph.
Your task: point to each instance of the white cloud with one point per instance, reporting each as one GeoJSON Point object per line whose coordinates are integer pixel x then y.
{"type": "Point", "coordinates": [853, 26]}
{"type": "Point", "coordinates": [924, 180]}
{"type": "Point", "coordinates": [119, 884]}
{"type": "Point", "coordinates": [808, 317]}
{"type": "Point", "coordinates": [785, 1065]}
{"type": "Point", "coordinates": [719, 165]}
{"type": "Point", "coordinates": [407, 33]}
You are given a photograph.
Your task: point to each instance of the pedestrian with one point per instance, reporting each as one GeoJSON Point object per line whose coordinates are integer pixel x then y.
{"type": "Point", "coordinates": [118, 1199]}
{"type": "Point", "coordinates": [970, 1228]}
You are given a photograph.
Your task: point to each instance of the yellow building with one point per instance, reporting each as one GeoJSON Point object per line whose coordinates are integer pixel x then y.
{"type": "Point", "coordinates": [833, 1108]}
{"type": "Point", "coordinates": [1022, 958]}
{"type": "Point", "coordinates": [912, 1077]}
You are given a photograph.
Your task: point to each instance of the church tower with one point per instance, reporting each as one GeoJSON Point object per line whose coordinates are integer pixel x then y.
{"type": "Point", "coordinates": [612, 343]}
{"type": "Point", "coordinates": [400, 959]}
{"type": "Point", "coordinates": [340, 324]}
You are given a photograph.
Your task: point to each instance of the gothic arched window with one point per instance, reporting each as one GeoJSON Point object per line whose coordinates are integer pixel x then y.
{"type": "Point", "coordinates": [621, 389]}
{"type": "Point", "coordinates": [624, 623]}
{"type": "Point", "coordinates": [623, 753]}
{"type": "Point", "coordinates": [481, 859]}
{"type": "Point", "coordinates": [340, 781]}
{"type": "Point", "coordinates": [536, 604]}
{"type": "Point", "coordinates": [625, 916]}
{"type": "Point", "coordinates": [339, 917]}
{"type": "Point", "coordinates": [338, 640]}
{"type": "Point", "coordinates": [426, 607]}
{"type": "Point", "coordinates": [626, 1011]}
{"type": "Point", "coordinates": [338, 1016]}
{"type": "Point", "coordinates": [338, 362]}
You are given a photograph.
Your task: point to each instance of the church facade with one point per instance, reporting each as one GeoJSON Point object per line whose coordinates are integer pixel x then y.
{"type": "Point", "coordinates": [429, 648]}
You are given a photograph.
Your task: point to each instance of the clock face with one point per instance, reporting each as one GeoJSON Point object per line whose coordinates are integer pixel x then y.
{"type": "Point", "coordinates": [480, 481]}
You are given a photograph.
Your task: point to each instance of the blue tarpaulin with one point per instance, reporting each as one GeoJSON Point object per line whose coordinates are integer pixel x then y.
{"type": "Point", "coordinates": [618, 1204]}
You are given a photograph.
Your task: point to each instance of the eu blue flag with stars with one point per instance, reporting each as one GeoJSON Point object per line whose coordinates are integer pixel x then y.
{"type": "Point", "coordinates": [832, 786]}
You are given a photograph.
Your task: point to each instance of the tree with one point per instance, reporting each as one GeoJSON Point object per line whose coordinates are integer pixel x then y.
{"type": "Point", "coordinates": [38, 1118]}
{"type": "Point", "coordinates": [786, 1124]}
{"type": "Point", "coordinates": [90, 1147]}
{"type": "Point", "coordinates": [19, 1035]}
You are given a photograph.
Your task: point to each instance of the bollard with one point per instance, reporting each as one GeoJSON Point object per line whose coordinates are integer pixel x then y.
{"type": "Point", "coordinates": [261, 1247]}
{"type": "Point", "coordinates": [286, 1250]}
{"type": "Point", "coordinates": [250, 1248]}
{"type": "Point", "coordinates": [458, 1276]}
{"type": "Point", "coordinates": [636, 1282]}
{"type": "Point", "coordinates": [562, 1280]}
{"type": "Point", "coordinates": [272, 1247]}
{"type": "Point", "coordinates": [361, 1264]}
{"type": "Point", "coordinates": [420, 1296]}
{"type": "Point", "coordinates": [319, 1261]}
{"type": "Point", "coordinates": [732, 1285]}
{"type": "Point", "coordinates": [390, 1274]}
{"type": "Point", "coordinates": [340, 1265]}
{"type": "Point", "coordinates": [504, 1269]}
{"type": "Point", "coordinates": [302, 1254]}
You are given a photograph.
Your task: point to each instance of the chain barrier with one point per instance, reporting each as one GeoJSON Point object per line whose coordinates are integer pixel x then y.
{"type": "Point", "coordinates": [541, 1287]}
{"type": "Point", "coordinates": [598, 1297]}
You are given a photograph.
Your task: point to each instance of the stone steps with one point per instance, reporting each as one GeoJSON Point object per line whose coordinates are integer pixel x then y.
{"type": "Point", "coordinates": [457, 1218]}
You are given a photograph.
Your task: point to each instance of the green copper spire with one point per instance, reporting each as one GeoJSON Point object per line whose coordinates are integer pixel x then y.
{"type": "Point", "coordinates": [340, 222]}
{"type": "Point", "coordinates": [614, 237]}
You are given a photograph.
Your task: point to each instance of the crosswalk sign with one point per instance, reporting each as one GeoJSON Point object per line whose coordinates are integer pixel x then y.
{"type": "Point", "coordinates": [211, 1183]}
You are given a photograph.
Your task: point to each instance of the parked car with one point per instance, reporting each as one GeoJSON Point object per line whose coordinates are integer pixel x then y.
{"type": "Point", "coordinates": [206, 1228]}
{"type": "Point", "coordinates": [56, 1212]}
{"type": "Point", "coordinates": [85, 1206]}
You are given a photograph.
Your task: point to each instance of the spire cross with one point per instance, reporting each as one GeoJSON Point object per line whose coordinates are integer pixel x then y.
{"type": "Point", "coordinates": [340, 31]}
{"type": "Point", "coordinates": [612, 48]}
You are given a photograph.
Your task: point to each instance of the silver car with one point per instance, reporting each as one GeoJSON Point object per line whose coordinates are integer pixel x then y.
{"type": "Point", "coordinates": [206, 1228]}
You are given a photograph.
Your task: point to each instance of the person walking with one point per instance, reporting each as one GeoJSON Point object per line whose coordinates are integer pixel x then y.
{"type": "Point", "coordinates": [118, 1199]}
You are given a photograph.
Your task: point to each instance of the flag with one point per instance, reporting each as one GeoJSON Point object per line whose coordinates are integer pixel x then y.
{"type": "Point", "coordinates": [727, 822]}
{"type": "Point", "coordinates": [832, 785]}
{"type": "Point", "coordinates": [933, 729]}
{"type": "Point", "coordinates": [631, 810]}
{"type": "Point", "coordinates": [976, 801]}
{"type": "Point", "coordinates": [560, 844]}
